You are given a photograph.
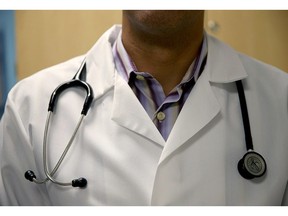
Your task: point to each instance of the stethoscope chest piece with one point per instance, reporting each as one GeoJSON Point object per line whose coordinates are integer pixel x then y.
{"type": "Point", "coordinates": [252, 165]}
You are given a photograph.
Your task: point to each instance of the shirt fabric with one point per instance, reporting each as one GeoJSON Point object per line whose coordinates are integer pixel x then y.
{"type": "Point", "coordinates": [163, 110]}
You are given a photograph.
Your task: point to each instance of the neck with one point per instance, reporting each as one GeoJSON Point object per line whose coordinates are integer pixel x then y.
{"type": "Point", "coordinates": [165, 55]}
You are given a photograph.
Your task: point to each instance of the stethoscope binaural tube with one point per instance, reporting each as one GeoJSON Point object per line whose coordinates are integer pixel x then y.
{"type": "Point", "coordinates": [75, 82]}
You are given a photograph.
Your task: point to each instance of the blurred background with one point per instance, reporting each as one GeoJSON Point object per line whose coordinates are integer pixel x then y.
{"type": "Point", "coordinates": [36, 39]}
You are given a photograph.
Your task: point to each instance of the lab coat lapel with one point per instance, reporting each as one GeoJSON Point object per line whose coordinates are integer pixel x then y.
{"type": "Point", "coordinates": [127, 110]}
{"type": "Point", "coordinates": [129, 113]}
{"type": "Point", "coordinates": [202, 105]}
{"type": "Point", "coordinates": [200, 108]}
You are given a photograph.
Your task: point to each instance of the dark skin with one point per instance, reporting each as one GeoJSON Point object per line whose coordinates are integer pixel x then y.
{"type": "Point", "coordinates": [163, 43]}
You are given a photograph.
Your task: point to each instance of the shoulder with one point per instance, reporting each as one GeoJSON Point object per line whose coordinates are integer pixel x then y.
{"type": "Point", "coordinates": [48, 78]}
{"type": "Point", "coordinates": [66, 70]}
{"type": "Point", "coordinates": [31, 93]}
{"type": "Point", "coordinates": [262, 69]}
{"type": "Point", "coordinates": [41, 84]}
{"type": "Point", "coordinates": [269, 81]}
{"type": "Point", "coordinates": [255, 69]}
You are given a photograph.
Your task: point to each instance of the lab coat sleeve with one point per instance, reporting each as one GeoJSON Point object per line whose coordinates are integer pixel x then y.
{"type": "Point", "coordinates": [16, 156]}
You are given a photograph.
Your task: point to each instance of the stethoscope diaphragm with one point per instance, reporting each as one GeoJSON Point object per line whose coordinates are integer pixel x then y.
{"type": "Point", "coordinates": [252, 165]}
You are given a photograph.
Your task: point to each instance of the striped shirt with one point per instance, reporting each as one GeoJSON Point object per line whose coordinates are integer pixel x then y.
{"type": "Point", "coordinates": [163, 110]}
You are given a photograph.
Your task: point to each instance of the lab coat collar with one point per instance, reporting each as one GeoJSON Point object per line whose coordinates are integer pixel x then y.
{"type": "Point", "coordinates": [100, 63]}
{"type": "Point", "coordinates": [223, 63]}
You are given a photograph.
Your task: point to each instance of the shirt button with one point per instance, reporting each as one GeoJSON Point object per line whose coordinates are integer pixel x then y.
{"type": "Point", "coordinates": [139, 77]}
{"type": "Point", "coordinates": [161, 116]}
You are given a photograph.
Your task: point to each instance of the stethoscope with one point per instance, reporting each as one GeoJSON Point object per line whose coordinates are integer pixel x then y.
{"type": "Point", "coordinates": [252, 165]}
{"type": "Point", "coordinates": [77, 81]}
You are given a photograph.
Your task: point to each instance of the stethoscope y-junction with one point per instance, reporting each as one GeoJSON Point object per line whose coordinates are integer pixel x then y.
{"type": "Point", "coordinates": [252, 165]}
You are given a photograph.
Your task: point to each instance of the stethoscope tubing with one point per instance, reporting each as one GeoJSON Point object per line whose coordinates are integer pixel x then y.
{"type": "Point", "coordinates": [48, 174]}
{"type": "Point", "coordinates": [245, 116]}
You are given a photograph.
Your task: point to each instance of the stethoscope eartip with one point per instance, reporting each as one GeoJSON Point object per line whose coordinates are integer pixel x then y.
{"type": "Point", "coordinates": [29, 175]}
{"type": "Point", "coordinates": [80, 182]}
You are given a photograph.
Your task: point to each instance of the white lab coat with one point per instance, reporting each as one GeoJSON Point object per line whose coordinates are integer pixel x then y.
{"type": "Point", "coordinates": [122, 154]}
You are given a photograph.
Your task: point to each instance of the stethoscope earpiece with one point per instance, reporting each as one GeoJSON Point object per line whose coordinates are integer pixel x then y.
{"type": "Point", "coordinates": [29, 175]}
{"type": "Point", "coordinates": [252, 165]}
{"type": "Point", "coordinates": [80, 182]}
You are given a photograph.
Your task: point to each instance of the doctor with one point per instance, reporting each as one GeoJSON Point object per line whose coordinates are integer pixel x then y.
{"type": "Point", "coordinates": [164, 128]}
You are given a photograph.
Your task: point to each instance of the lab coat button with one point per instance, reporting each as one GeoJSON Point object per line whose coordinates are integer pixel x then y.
{"type": "Point", "coordinates": [161, 116]}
